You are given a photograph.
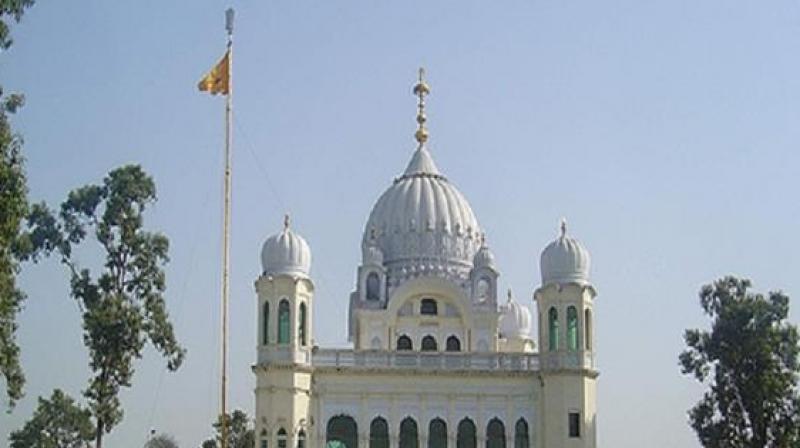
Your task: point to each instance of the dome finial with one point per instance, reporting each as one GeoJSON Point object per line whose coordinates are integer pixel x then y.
{"type": "Point", "coordinates": [286, 222]}
{"type": "Point", "coordinates": [420, 90]}
{"type": "Point", "coordinates": [510, 295]}
{"type": "Point", "coordinates": [563, 227]}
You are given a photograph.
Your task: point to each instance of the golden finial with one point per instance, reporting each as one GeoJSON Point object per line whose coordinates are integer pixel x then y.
{"type": "Point", "coordinates": [286, 222]}
{"type": "Point", "coordinates": [420, 90]}
{"type": "Point", "coordinates": [563, 227]}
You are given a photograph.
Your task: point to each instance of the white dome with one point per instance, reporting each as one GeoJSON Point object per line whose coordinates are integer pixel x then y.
{"type": "Point", "coordinates": [484, 257]}
{"type": "Point", "coordinates": [565, 260]}
{"type": "Point", "coordinates": [515, 320]}
{"type": "Point", "coordinates": [286, 253]}
{"type": "Point", "coordinates": [423, 216]}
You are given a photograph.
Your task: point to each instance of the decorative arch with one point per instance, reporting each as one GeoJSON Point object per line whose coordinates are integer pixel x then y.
{"type": "Point", "coordinates": [341, 432]}
{"type": "Point", "coordinates": [572, 328]}
{"type": "Point", "coordinates": [409, 433]}
{"type": "Point", "coordinates": [444, 290]}
{"type": "Point", "coordinates": [437, 433]}
{"type": "Point", "coordinates": [379, 433]}
{"type": "Point", "coordinates": [552, 329]}
{"type": "Point", "coordinates": [453, 344]}
{"type": "Point", "coordinates": [282, 439]}
{"type": "Point", "coordinates": [284, 323]}
{"type": "Point", "coordinates": [521, 437]}
{"type": "Point", "coordinates": [495, 434]}
{"type": "Point", "coordinates": [466, 437]}
{"type": "Point", "coordinates": [429, 344]}
{"type": "Point", "coordinates": [301, 439]}
{"type": "Point", "coordinates": [404, 343]}
{"type": "Point", "coordinates": [302, 329]}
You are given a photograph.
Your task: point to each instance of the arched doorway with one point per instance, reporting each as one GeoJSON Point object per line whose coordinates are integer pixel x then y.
{"type": "Point", "coordinates": [379, 433]}
{"type": "Point", "coordinates": [437, 434]}
{"type": "Point", "coordinates": [495, 434]}
{"type": "Point", "coordinates": [466, 434]}
{"type": "Point", "coordinates": [409, 434]}
{"type": "Point", "coordinates": [521, 438]}
{"type": "Point", "coordinates": [342, 432]}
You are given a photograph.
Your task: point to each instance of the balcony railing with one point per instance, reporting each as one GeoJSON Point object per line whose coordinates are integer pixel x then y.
{"type": "Point", "coordinates": [372, 359]}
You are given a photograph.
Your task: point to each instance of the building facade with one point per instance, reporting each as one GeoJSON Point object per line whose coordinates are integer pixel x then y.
{"type": "Point", "coordinates": [438, 359]}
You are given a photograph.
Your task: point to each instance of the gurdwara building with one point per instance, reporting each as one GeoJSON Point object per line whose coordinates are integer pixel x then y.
{"type": "Point", "coordinates": [438, 358]}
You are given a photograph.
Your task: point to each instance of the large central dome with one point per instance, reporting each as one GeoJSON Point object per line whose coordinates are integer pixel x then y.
{"type": "Point", "coordinates": [422, 222]}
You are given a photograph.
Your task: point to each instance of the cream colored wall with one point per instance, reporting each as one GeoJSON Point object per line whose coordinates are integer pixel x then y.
{"type": "Point", "coordinates": [424, 396]}
{"type": "Point", "coordinates": [283, 400]}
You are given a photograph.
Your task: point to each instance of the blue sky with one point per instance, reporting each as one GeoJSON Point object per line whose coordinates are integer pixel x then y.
{"type": "Point", "coordinates": [666, 132]}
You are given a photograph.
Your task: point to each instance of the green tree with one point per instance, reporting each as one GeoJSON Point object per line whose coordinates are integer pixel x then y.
{"type": "Point", "coordinates": [57, 423]}
{"type": "Point", "coordinates": [749, 360]}
{"type": "Point", "coordinates": [13, 208]}
{"type": "Point", "coordinates": [123, 305]}
{"type": "Point", "coordinates": [161, 441]}
{"type": "Point", "coordinates": [240, 433]}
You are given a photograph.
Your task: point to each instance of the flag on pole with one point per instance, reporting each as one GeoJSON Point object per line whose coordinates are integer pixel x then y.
{"type": "Point", "coordinates": [217, 80]}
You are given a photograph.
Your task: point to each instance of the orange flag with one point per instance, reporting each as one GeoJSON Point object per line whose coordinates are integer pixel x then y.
{"type": "Point", "coordinates": [218, 79]}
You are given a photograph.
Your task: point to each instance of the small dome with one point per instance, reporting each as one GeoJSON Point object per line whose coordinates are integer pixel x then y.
{"type": "Point", "coordinates": [286, 253]}
{"type": "Point", "coordinates": [484, 257]}
{"type": "Point", "coordinates": [565, 260]}
{"type": "Point", "coordinates": [515, 320]}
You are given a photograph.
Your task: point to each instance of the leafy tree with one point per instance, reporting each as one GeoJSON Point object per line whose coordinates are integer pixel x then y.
{"type": "Point", "coordinates": [13, 208]}
{"type": "Point", "coordinates": [123, 306]}
{"type": "Point", "coordinates": [57, 423]}
{"type": "Point", "coordinates": [749, 360]}
{"type": "Point", "coordinates": [161, 441]}
{"type": "Point", "coordinates": [240, 433]}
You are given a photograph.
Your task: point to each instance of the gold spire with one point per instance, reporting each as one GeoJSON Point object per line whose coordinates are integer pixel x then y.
{"type": "Point", "coordinates": [286, 222]}
{"type": "Point", "coordinates": [563, 227]}
{"type": "Point", "coordinates": [420, 90]}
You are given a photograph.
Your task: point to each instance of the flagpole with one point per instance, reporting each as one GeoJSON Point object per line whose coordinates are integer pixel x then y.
{"type": "Point", "coordinates": [226, 228]}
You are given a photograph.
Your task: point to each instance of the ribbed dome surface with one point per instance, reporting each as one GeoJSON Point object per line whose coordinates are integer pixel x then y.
{"type": "Point", "coordinates": [515, 320]}
{"type": "Point", "coordinates": [565, 260]}
{"type": "Point", "coordinates": [286, 253]}
{"type": "Point", "coordinates": [423, 215]}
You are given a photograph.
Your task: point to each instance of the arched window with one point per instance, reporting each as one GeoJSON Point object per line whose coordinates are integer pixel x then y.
{"type": "Point", "coordinates": [429, 344]}
{"type": "Point", "coordinates": [466, 434]}
{"type": "Point", "coordinates": [265, 325]}
{"type": "Point", "coordinates": [587, 332]}
{"type": "Point", "coordinates": [453, 344]}
{"type": "Point", "coordinates": [301, 322]}
{"type": "Point", "coordinates": [572, 328]}
{"type": "Point", "coordinates": [373, 287]}
{"type": "Point", "coordinates": [552, 329]}
{"type": "Point", "coordinates": [409, 437]}
{"type": "Point", "coordinates": [437, 434]}
{"type": "Point", "coordinates": [521, 439]}
{"type": "Point", "coordinates": [495, 434]}
{"type": "Point", "coordinates": [404, 343]}
{"type": "Point", "coordinates": [264, 443]}
{"type": "Point", "coordinates": [283, 322]}
{"type": "Point", "coordinates": [484, 287]}
{"type": "Point", "coordinates": [428, 307]}
{"type": "Point", "coordinates": [342, 432]}
{"type": "Point", "coordinates": [379, 433]}
{"type": "Point", "coordinates": [282, 442]}
{"type": "Point", "coordinates": [301, 439]}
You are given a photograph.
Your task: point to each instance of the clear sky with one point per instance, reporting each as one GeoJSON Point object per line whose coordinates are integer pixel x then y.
{"type": "Point", "coordinates": [666, 132]}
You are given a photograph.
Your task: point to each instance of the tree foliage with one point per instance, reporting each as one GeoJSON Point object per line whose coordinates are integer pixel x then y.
{"type": "Point", "coordinates": [123, 304]}
{"type": "Point", "coordinates": [240, 433]}
{"type": "Point", "coordinates": [13, 208]}
{"type": "Point", "coordinates": [161, 441]}
{"type": "Point", "coordinates": [57, 423]}
{"type": "Point", "coordinates": [749, 360]}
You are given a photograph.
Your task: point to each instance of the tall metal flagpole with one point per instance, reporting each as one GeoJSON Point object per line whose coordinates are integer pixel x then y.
{"type": "Point", "coordinates": [226, 228]}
